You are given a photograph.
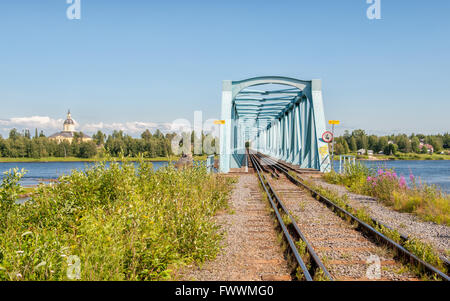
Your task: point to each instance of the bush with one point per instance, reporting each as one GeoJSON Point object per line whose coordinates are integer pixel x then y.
{"type": "Point", "coordinates": [426, 201]}
{"type": "Point", "coordinates": [121, 221]}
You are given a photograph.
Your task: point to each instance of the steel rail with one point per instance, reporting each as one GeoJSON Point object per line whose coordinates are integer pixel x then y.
{"type": "Point", "coordinates": [271, 194]}
{"type": "Point", "coordinates": [367, 228]}
{"type": "Point", "coordinates": [403, 238]}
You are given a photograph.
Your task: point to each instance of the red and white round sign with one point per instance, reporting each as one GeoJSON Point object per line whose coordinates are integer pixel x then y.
{"type": "Point", "coordinates": [327, 137]}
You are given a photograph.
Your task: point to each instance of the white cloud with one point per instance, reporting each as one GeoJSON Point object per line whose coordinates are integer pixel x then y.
{"type": "Point", "coordinates": [42, 122]}
{"type": "Point", "coordinates": [50, 125]}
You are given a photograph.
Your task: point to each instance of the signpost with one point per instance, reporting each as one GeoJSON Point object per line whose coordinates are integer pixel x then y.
{"type": "Point", "coordinates": [327, 136]}
{"type": "Point", "coordinates": [333, 123]}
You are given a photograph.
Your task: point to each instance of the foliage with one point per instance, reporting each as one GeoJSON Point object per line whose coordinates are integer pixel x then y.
{"type": "Point", "coordinates": [123, 222]}
{"type": "Point", "coordinates": [39, 146]}
{"type": "Point", "coordinates": [417, 247]}
{"type": "Point", "coordinates": [425, 201]}
{"type": "Point", "coordinates": [391, 144]}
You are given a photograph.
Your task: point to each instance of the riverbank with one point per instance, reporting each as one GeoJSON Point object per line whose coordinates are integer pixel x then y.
{"type": "Point", "coordinates": [95, 159]}
{"type": "Point", "coordinates": [399, 156]}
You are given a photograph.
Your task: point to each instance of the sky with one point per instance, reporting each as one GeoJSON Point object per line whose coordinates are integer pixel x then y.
{"type": "Point", "coordinates": [140, 64]}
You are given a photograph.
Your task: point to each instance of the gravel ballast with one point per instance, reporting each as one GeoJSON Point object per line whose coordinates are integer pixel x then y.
{"type": "Point", "coordinates": [251, 251]}
{"type": "Point", "coordinates": [405, 223]}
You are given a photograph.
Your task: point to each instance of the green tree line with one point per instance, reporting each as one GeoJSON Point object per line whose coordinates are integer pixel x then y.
{"type": "Point", "coordinates": [24, 145]}
{"type": "Point", "coordinates": [391, 144]}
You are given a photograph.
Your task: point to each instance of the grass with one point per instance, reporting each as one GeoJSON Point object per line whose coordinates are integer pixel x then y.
{"type": "Point", "coordinates": [95, 159]}
{"type": "Point", "coordinates": [116, 222]}
{"type": "Point", "coordinates": [427, 202]}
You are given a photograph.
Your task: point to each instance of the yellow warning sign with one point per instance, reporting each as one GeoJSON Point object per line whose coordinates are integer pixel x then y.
{"type": "Point", "coordinates": [219, 121]}
{"type": "Point", "coordinates": [334, 122]}
{"type": "Point", "coordinates": [323, 151]}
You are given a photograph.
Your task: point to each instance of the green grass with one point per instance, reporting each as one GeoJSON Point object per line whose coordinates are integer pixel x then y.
{"type": "Point", "coordinates": [422, 250]}
{"type": "Point", "coordinates": [427, 202]}
{"type": "Point", "coordinates": [123, 223]}
{"type": "Point", "coordinates": [95, 159]}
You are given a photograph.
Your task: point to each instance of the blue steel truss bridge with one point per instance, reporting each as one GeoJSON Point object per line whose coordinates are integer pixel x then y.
{"type": "Point", "coordinates": [278, 116]}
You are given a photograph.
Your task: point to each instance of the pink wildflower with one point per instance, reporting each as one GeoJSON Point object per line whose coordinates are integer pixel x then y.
{"type": "Point", "coordinates": [402, 182]}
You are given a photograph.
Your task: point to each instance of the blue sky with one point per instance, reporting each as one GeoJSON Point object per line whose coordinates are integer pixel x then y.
{"type": "Point", "coordinates": [135, 64]}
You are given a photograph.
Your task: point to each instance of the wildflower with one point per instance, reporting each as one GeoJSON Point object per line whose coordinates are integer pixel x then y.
{"type": "Point", "coordinates": [369, 179]}
{"type": "Point", "coordinates": [402, 182]}
{"type": "Point", "coordinates": [380, 171]}
{"type": "Point", "coordinates": [411, 177]}
{"type": "Point", "coordinates": [395, 175]}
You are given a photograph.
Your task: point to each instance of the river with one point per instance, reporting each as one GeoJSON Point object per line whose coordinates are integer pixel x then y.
{"type": "Point", "coordinates": [436, 172]}
{"type": "Point", "coordinates": [431, 172]}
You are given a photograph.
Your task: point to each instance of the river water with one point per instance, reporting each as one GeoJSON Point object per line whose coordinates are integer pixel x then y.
{"type": "Point", "coordinates": [431, 172]}
{"type": "Point", "coordinates": [435, 172]}
{"type": "Point", "coordinates": [42, 172]}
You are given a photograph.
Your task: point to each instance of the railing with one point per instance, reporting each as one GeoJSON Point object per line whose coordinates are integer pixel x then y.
{"type": "Point", "coordinates": [210, 163]}
{"type": "Point", "coordinates": [345, 163]}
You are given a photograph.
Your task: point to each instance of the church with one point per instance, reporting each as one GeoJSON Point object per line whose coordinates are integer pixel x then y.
{"type": "Point", "coordinates": [69, 132]}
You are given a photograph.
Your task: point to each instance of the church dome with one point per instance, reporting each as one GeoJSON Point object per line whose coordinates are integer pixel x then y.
{"type": "Point", "coordinates": [69, 121]}
{"type": "Point", "coordinates": [69, 124]}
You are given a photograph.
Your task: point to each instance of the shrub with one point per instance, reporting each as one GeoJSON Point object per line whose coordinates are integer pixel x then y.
{"type": "Point", "coordinates": [427, 202]}
{"type": "Point", "coordinates": [123, 223]}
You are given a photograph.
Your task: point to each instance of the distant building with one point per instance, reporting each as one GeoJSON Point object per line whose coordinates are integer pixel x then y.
{"type": "Point", "coordinates": [68, 133]}
{"type": "Point", "coordinates": [430, 148]}
{"type": "Point", "coordinates": [370, 152]}
{"type": "Point", "coordinates": [362, 151]}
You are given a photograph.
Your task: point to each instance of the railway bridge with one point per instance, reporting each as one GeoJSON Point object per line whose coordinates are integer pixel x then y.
{"type": "Point", "coordinates": [278, 116]}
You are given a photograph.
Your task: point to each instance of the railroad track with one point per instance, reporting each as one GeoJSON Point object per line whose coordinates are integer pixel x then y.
{"type": "Point", "coordinates": [324, 245]}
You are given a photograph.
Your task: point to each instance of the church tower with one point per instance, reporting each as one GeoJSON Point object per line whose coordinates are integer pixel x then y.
{"type": "Point", "coordinates": [69, 124]}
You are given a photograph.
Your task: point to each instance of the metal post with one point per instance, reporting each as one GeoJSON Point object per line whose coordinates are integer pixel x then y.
{"type": "Point", "coordinates": [332, 149]}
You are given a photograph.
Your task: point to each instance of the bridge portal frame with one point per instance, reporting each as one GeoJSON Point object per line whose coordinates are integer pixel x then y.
{"type": "Point", "coordinates": [287, 126]}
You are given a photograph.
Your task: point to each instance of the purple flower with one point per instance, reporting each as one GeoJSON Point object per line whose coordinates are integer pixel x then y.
{"type": "Point", "coordinates": [411, 177]}
{"type": "Point", "coordinates": [394, 175]}
{"type": "Point", "coordinates": [369, 178]}
{"type": "Point", "coordinates": [380, 171]}
{"type": "Point", "coordinates": [402, 182]}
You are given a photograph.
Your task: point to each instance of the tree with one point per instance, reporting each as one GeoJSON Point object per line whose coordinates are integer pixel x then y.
{"type": "Point", "coordinates": [373, 143]}
{"type": "Point", "coordinates": [146, 135]}
{"type": "Point", "coordinates": [391, 149]}
{"type": "Point", "coordinates": [14, 134]}
{"type": "Point", "coordinates": [87, 150]}
{"type": "Point", "coordinates": [353, 146]}
{"type": "Point", "coordinates": [415, 143]}
{"type": "Point", "coordinates": [404, 145]}
{"type": "Point", "coordinates": [99, 138]}
{"type": "Point", "coordinates": [436, 142]}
